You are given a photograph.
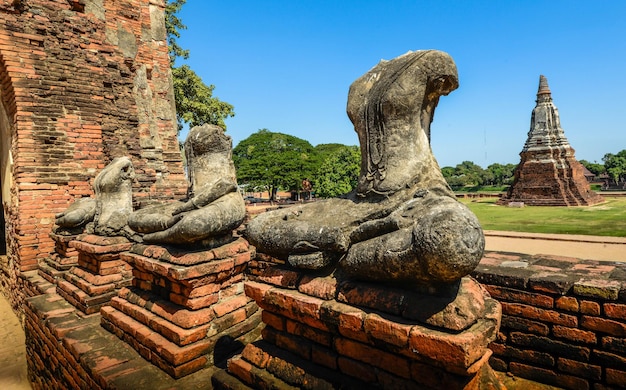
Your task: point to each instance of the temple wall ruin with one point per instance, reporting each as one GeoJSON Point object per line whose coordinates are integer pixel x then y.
{"type": "Point", "coordinates": [563, 324]}
{"type": "Point", "coordinates": [81, 82]}
{"type": "Point", "coordinates": [563, 319]}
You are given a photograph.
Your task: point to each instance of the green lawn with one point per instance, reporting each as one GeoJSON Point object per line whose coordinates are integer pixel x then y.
{"type": "Point", "coordinates": [605, 219]}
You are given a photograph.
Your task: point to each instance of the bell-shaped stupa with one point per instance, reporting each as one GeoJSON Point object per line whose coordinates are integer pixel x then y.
{"type": "Point", "coordinates": [548, 173]}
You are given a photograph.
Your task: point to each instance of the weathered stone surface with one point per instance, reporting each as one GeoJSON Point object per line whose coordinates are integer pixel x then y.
{"type": "Point", "coordinates": [402, 223]}
{"type": "Point", "coordinates": [548, 173]}
{"type": "Point", "coordinates": [359, 340]}
{"type": "Point", "coordinates": [107, 213]}
{"type": "Point", "coordinates": [79, 214]}
{"type": "Point", "coordinates": [214, 208]}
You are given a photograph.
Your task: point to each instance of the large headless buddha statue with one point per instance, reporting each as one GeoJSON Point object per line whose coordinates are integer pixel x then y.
{"type": "Point", "coordinates": [214, 206]}
{"type": "Point", "coordinates": [402, 223]}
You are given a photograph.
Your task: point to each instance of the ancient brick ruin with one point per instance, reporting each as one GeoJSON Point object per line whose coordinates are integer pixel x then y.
{"type": "Point", "coordinates": [548, 173]}
{"type": "Point", "coordinates": [81, 82]}
{"type": "Point", "coordinates": [85, 81]}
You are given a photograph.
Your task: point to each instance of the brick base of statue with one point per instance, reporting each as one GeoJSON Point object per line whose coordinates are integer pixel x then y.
{"type": "Point", "coordinates": [322, 332]}
{"type": "Point", "coordinates": [100, 272]}
{"type": "Point", "coordinates": [64, 257]}
{"type": "Point", "coordinates": [186, 310]}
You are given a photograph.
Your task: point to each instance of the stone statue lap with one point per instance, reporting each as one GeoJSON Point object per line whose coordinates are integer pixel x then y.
{"type": "Point", "coordinates": [214, 208]}
{"type": "Point", "coordinates": [402, 223]}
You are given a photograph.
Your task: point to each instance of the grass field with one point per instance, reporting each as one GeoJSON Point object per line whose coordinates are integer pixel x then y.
{"type": "Point", "coordinates": [605, 219]}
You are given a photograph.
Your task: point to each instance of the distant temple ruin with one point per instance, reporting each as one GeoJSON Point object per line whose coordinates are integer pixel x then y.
{"type": "Point", "coordinates": [548, 173]}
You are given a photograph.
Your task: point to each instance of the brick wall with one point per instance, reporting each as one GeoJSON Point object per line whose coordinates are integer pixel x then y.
{"type": "Point", "coordinates": [563, 324]}
{"type": "Point", "coordinates": [81, 82]}
{"type": "Point", "coordinates": [563, 319]}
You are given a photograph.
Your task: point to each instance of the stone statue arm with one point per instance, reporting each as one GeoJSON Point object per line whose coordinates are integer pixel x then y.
{"type": "Point", "coordinates": [207, 196]}
{"type": "Point", "coordinates": [81, 212]}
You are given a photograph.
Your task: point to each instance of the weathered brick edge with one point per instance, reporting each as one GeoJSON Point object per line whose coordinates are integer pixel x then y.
{"type": "Point", "coordinates": [323, 332]}
{"type": "Point", "coordinates": [67, 350]}
{"type": "Point", "coordinates": [563, 319]}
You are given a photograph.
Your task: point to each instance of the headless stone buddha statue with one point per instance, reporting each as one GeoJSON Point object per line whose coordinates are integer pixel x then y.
{"type": "Point", "coordinates": [402, 223]}
{"type": "Point", "coordinates": [107, 212]}
{"type": "Point", "coordinates": [214, 206]}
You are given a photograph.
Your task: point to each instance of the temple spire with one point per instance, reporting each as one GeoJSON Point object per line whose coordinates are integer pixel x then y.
{"type": "Point", "coordinates": [543, 93]}
{"type": "Point", "coordinates": [548, 173]}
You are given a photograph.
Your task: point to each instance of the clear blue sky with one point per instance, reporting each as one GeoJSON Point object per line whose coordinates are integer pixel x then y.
{"type": "Point", "coordinates": [287, 66]}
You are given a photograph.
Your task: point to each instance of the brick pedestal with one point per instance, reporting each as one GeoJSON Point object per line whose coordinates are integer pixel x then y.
{"type": "Point", "coordinates": [324, 332]}
{"type": "Point", "coordinates": [185, 310]}
{"type": "Point", "coordinates": [60, 261]}
{"type": "Point", "coordinates": [100, 272]}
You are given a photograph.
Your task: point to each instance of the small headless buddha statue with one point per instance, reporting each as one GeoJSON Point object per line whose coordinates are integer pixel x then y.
{"type": "Point", "coordinates": [214, 206]}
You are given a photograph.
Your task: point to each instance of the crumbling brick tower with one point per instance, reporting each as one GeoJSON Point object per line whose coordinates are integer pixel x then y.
{"type": "Point", "coordinates": [548, 173]}
{"type": "Point", "coordinates": [81, 82]}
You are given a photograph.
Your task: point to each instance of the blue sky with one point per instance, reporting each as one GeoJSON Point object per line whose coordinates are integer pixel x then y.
{"type": "Point", "coordinates": [287, 66]}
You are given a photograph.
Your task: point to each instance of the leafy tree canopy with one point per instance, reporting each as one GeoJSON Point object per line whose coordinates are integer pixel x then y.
{"type": "Point", "coordinates": [338, 173]}
{"type": "Point", "coordinates": [273, 161]}
{"type": "Point", "coordinates": [615, 165]}
{"type": "Point", "coordinates": [593, 167]}
{"type": "Point", "coordinates": [469, 174]}
{"type": "Point", "coordinates": [195, 104]}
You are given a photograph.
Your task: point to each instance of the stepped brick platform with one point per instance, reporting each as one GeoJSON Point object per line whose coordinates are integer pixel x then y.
{"type": "Point", "coordinates": [100, 272]}
{"type": "Point", "coordinates": [61, 260]}
{"type": "Point", "coordinates": [324, 332]}
{"type": "Point", "coordinates": [186, 310]}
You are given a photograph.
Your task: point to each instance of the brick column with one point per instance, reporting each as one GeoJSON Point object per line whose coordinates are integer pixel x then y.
{"type": "Point", "coordinates": [325, 332]}
{"type": "Point", "coordinates": [61, 260]}
{"type": "Point", "coordinates": [186, 309]}
{"type": "Point", "coordinates": [99, 273]}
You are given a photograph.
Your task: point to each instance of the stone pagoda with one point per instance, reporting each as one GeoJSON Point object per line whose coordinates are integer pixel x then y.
{"type": "Point", "coordinates": [548, 173]}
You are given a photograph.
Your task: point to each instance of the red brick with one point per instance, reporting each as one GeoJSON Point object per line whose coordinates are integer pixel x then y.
{"type": "Point", "coordinates": [312, 334]}
{"type": "Point", "coordinates": [610, 327]}
{"type": "Point", "coordinates": [373, 356]}
{"type": "Point", "coordinates": [320, 287]}
{"type": "Point", "coordinates": [458, 351]}
{"type": "Point", "coordinates": [273, 320]}
{"type": "Point", "coordinates": [574, 334]}
{"type": "Point", "coordinates": [584, 370]}
{"type": "Point", "coordinates": [567, 303]}
{"type": "Point", "coordinates": [387, 330]}
{"type": "Point", "coordinates": [324, 357]}
{"type": "Point", "coordinates": [255, 355]}
{"type": "Point", "coordinates": [518, 296]}
{"type": "Point", "coordinates": [615, 377]}
{"type": "Point", "coordinates": [279, 277]}
{"type": "Point", "coordinates": [370, 296]}
{"type": "Point", "coordinates": [616, 344]}
{"type": "Point", "coordinates": [294, 305]}
{"type": "Point", "coordinates": [356, 369]}
{"type": "Point", "coordinates": [548, 377]}
{"type": "Point", "coordinates": [230, 305]}
{"type": "Point", "coordinates": [256, 290]}
{"type": "Point", "coordinates": [241, 369]}
{"type": "Point", "coordinates": [590, 307]}
{"type": "Point", "coordinates": [551, 316]}
{"type": "Point", "coordinates": [615, 310]}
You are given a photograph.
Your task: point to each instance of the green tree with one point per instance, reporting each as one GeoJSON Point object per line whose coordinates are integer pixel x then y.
{"type": "Point", "coordinates": [501, 174]}
{"type": "Point", "coordinates": [338, 173]}
{"type": "Point", "coordinates": [195, 104]}
{"type": "Point", "coordinates": [273, 161]}
{"type": "Point", "coordinates": [593, 167]}
{"type": "Point", "coordinates": [615, 165]}
{"type": "Point", "coordinates": [469, 173]}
